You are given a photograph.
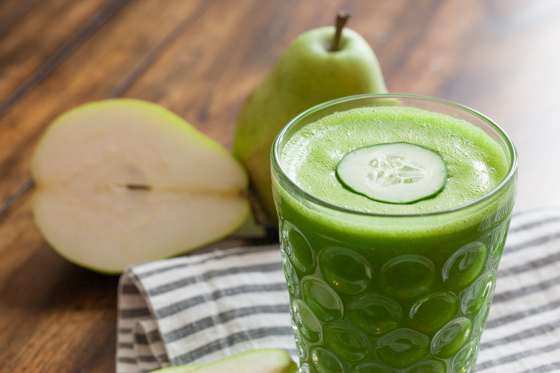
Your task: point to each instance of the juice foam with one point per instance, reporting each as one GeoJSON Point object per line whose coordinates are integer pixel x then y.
{"type": "Point", "coordinates": [476, 163]}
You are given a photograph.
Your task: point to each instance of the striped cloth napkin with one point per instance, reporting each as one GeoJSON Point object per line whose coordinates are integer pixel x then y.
{"type": "Point", "coordinates": [199, 308]}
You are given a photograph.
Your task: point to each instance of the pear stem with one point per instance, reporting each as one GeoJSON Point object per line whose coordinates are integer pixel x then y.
{"type": "Point", "coordinates": [341, 19]}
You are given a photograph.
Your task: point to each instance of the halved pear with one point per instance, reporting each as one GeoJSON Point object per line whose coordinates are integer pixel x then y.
{"type": "Point", "coordinates": [124, 181]}
{"type": "Point", "coordinates": [254, 361]}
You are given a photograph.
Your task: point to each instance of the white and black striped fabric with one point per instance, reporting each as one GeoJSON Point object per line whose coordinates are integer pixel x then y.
{"type": "Point", "coordinates": [522, 334]}
{"type": "Point", "coordinates": [200, 308]}
{"type": "Point", "coordinates": [196, 309]}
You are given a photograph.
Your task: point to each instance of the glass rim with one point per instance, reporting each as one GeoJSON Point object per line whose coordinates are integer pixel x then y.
{"type": "Point", "coordinates": [275, 156]}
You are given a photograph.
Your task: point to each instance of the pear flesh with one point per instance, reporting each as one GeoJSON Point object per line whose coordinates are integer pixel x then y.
{"type": "Point", "coordinates": [124, 181]}
{"type": "Point", "coordinates": [307, 74]}
{"type": "Point", "coordinates": [254, 361]}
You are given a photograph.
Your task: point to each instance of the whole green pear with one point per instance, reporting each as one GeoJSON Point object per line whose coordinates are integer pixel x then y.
{"type": "Point", "coordinates": [307, 74]}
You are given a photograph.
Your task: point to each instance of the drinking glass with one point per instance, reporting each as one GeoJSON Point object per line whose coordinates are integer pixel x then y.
{"type": "Point", "coordinates": [405, 293]}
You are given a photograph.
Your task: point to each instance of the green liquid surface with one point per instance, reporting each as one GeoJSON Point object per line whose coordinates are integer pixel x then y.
{"type": "Point", "coordinates": [399, 292]}
{"type": "Point", "coordinates": [476, 163]}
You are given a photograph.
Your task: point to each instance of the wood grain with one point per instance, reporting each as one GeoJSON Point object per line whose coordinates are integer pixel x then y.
{"type": "Point", "coordinates": [22, 53]}
{"type": "Point", "coordinates": [200, 59]}
{"type": "Point", "coordinates": [11, 11]}
{"type": "Point", "coordinates": [207, 86]}
{"type": "Point", "coordinates": [50, 308]}
{"type": "Point", "coordinates": [99, 65]}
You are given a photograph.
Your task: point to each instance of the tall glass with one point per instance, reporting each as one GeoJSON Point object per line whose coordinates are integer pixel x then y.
{"type": "Point", "coordinates": [390, 293]}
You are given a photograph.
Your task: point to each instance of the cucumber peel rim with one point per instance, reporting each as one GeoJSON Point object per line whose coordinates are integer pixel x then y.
{"type": "Point", "coordinates": [397, 173]}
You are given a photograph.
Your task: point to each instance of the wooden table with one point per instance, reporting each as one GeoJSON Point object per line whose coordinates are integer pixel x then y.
{"type": "Point", "coordinates": [200, 59]}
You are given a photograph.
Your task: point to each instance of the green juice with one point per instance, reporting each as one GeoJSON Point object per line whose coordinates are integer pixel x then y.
{"type": "Point", "coordinates": [383, 287]}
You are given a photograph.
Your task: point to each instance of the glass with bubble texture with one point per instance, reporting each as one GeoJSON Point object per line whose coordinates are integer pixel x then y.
{"type": "Point", "coordinates": [390, 293]}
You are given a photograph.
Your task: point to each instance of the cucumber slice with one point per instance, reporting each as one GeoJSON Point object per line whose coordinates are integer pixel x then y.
{"type": "Point", "coordinates": [397, 172]}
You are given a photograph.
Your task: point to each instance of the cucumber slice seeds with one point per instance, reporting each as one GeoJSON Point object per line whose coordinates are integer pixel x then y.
{"type": "Point", "coordinates": [397, 172]}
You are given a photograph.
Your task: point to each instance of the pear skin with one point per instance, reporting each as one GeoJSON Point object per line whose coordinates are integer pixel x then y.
{"type": "Point", "coordinates": [307, 74]}
{"type": "Point", "coordinates": [253, 361]}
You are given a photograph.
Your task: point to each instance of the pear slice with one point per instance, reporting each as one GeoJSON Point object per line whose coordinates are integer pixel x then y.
{"type": "Point", "coordinates": [254, 361]}
{"type": "Point", "coordinates": [124, 181]}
